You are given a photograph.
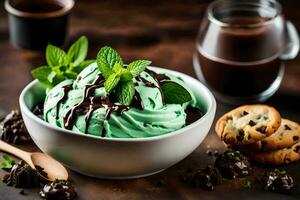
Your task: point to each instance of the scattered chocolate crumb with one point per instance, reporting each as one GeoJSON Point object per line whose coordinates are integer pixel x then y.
{"type": "Point", "coordinates": [159, 183]}
{"type": "Point", "coordinates": [207, 178]}
{"type": "Point", "coordinates": [13, 129]}
{"type": "Point", "coordinates": [216, 153]}
{"type": "Point", "coordinates": [22, 192]}
{"type": "Point", "coordinates": [278, 181]}
{"type": "Point", "coordinates": [209, 152]}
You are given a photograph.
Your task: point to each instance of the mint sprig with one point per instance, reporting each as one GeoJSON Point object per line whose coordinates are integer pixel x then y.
{"type": "Point", "coordinates": [61, 65]}
{"type": "Point", "coordinates": [119, 79]}
{"type": "Point", "coordinates": [7, 162]}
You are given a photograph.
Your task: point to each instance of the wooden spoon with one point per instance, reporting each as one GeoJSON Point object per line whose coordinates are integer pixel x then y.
{"type": "Point", "coordinates": [53, 168]}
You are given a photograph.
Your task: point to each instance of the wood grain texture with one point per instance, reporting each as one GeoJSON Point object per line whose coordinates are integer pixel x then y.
{"type": "Point", "coordinates": [164, 32]}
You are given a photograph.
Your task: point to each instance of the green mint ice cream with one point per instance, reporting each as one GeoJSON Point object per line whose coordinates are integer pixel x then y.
{"type": "Point", "coordinates": [156, 118]}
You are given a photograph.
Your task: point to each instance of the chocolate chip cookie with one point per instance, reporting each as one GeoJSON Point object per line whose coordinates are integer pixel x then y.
{"type": "Point", "coordinates": [278, 157]}
{"type": "Point", "coordinates": [248, 124]}
{"type": "Point", "coordinates": [286, 136]}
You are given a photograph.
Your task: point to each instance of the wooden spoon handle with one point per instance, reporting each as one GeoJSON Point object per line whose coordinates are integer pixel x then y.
{"type": "Point", "coordinates": [26, 156]}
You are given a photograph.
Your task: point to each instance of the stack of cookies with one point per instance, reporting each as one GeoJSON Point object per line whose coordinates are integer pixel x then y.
{"type": "Point", "coordinates": [261, 133]}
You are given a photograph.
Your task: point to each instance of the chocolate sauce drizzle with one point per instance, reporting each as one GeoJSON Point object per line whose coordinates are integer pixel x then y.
{"type": "Point", "coordinates": [66, 89]}
{"type": "Point", "coordinates": [158, 77]}
{"type": "Point", "coordinates": [89, 103]}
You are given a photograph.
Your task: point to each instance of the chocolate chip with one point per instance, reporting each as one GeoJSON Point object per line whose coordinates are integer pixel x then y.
{"type": "Point", "coordinates": [295, 137]}
{"type": "Point", "coordinates": [252, 123]}
{"type": "Point", "coordinates": [244, 113]}
{"type": "Point", "coordinates": [240, 136]}
{"type": "Point", "coordinates": [262, 129]}
{"type": "Point", "coordinates": [286, 127]}
{"type": "Point", "coordinates": [297, 149]}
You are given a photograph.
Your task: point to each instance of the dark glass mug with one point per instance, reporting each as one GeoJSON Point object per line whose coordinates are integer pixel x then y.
{"type": "Point", "coordinates": [35, 23]}
{"type": "Point", "coordinates": [240, 48]}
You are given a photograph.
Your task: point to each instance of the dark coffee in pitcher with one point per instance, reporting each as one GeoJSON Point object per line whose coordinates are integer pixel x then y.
{"type": "Point", "coordinates": [238, 50]}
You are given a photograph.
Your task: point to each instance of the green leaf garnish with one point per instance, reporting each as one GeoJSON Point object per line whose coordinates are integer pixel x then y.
{"type": "Point", "coordinates": [119, 79]}
{"type": "Point", "coordinates": [136, 67]}
{"type": "Point", "coordinates": [125, 92]}
{"type": "Point", "coordinates": [55, 56]}
{"type": "Point", "coordinates": [62, 65]}
{"type": "Point", "coordinates": [41, 74]}
{"type": "Point", "coordinates": [107, 57]}
{"type": "Point", "coordinates": [174, 93]}
{"type": "Point", "coordinates": [78, 51]}
{"type": "Point", "coordinates": [111, 82]}
{"type": "Point", "coordinates": [7, 162]}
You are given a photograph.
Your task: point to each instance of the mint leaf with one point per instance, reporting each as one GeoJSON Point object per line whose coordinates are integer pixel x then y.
{"type": "Point", "coordinates": [7, 162]}
{"type": "Point", "coordinates": [55, 78]}
{"type": "Point", "coordinates": [82, 65]}
{"type": "Point", "coordinates": [111, 82]}
{"type": "Point", "coordinates": [55, 56]}
{"type": "Point", "coordinates": [136, 67]}
{"type": "Point", "coordinates": [125, 92]}
{"type": "Point", "coordinates": [41, 74]}
{"type": "Point", "coordinates": [107, 57]}
{"type": "Point", "coordinates": [78, 51]}
{"type": "Point", "coordinates": [174, 93]}
{"type": "Point", "coordinates": [126, 75]}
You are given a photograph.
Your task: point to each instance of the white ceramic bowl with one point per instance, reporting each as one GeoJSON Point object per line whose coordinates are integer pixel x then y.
{"type": "Point", "coordinates": [117, 158]}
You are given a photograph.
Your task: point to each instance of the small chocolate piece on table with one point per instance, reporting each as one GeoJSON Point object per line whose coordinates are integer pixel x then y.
{"type": "Point", "coordinates": [58, 190]}
{"type": "Point", "coordinates": [278, 181]}
{"type": "Point", "coordinates": [21, 176]}
{"type": "Point", "coordinates": [232, 164]}
{"type": "Point", "coordinates": [13, 130]}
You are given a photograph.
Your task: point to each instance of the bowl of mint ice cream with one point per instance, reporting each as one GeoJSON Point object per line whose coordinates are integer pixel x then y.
{"type": "Point", "coordinates": [110, 120]}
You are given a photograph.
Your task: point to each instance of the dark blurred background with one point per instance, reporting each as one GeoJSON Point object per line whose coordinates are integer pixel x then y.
{"type": "Point", "coordinates": [161, 31]}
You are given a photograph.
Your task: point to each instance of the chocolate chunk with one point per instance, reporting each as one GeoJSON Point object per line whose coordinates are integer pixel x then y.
{"type": "Point", "coordinates": [286, 127]}
{"type": "Point", "coordinates": [240, 136]}
{"type": "Point", "coordinates": [21, 176]}
{"type": "Point", "coordinates": [278, 181]}
{"type": "Point", "coordinates": [13, 129]}
{"type": "Point", "coordinates": [192, 114]}
{"type": "Point", "coordinates": [22, 192]}
{"type": "Point", "coordinates": [58, 190]}
{"type": "Point", "coordinates": [295, 137]}
{"type": "Point", "coordinates": [232, 164]}
{"type": "Point", "coordinates": [207, 178]}
{"type": "Point", "coordinates": [262, 129]}
{"type": "Point", "coordinates": [38, 110]}
{"type": "Point", "coordinates": [252, 123]}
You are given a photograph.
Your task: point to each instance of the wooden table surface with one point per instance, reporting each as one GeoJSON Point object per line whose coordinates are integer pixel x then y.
{"type": "Point", "coordinates": [163, 32]}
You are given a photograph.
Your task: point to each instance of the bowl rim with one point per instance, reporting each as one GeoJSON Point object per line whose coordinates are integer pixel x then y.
{"type": "Point", "coordinates": [210, 109]}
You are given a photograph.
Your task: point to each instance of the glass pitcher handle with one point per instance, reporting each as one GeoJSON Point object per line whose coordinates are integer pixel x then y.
{"type": "Point", "coordinates": [292, 42]}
